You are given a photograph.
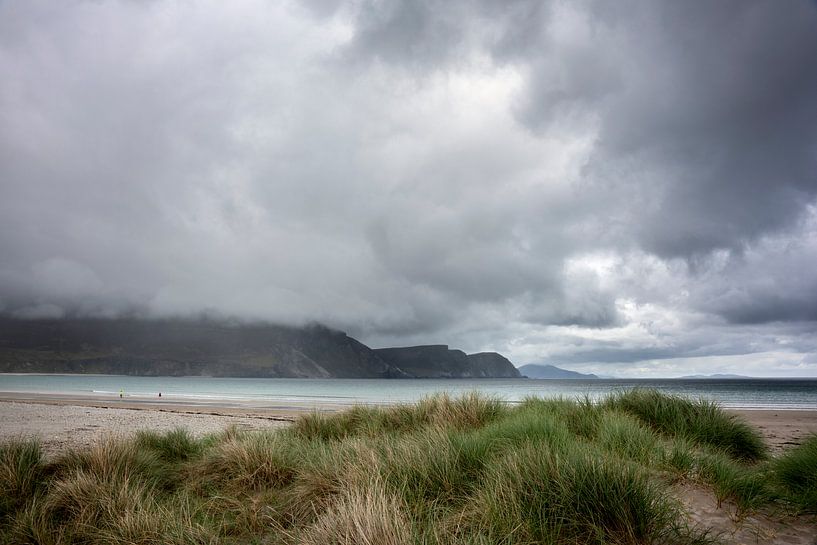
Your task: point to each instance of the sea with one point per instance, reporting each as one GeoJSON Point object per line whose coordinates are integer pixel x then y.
{"type": "Point", "coordinates": [748, 393]}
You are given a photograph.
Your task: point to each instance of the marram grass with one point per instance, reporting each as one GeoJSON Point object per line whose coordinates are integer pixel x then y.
{"type": "Point", "coordinates": [21, 472]}
{"type": "Point", "coordinates": [467, 470]}
{"type": "Point", "coordinates": [700, 421]}
{"type": "Point", "coordinates": [796, 472]}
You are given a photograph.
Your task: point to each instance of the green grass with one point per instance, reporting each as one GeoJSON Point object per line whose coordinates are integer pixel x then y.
{"type": "Point", "coordinates": [532, 495]}
{"type": "Point", "coordinates": [796, 472]}
{"type": "Point", "coordinates": [747, 487]}
{"type": "Point", "coordinates": [469, 411]}
{"type": "Point", "coordinates": [115, 458]}
{"type": "Point", "coordinates": [250, 462]}
{"type": "Point", "coordinates": [21, 473]}
{"type": "Point", "coordinates": [174, 446]}
{"type": "Point", "coordinates": [700, 421]}
{"type": "Point", "coordinates": [442, 471]}
{"type": "Point", "coordinates": [84, 508]}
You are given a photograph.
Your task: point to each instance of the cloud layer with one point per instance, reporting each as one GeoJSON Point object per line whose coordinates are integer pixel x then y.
{"type": "Point", "coordinates": [627, 188]}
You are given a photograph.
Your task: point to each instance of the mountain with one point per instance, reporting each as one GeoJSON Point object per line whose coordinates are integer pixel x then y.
{"type": "Point", "coordinates": [716, 375]}
{"type": "Point", "coordinates": [533, 370]}
{"type": "Point", "coordinates": [209, 348]}
{"type": "Point", "coordinates": [438, 361]}
{"type": "Point", "coordinates": [184, 347]}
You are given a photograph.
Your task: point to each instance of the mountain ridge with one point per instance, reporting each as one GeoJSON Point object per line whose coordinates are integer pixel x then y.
{"type": "Point", "coordinates": [716, 376]}
{"type": "Point", "coordinates": [546, 371]}
{"type": "Point", "coordinates": [425, 362]}
{"type": "Point", "coordinates": [205, 347]}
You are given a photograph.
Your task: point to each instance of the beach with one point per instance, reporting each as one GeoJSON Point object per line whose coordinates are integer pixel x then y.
{"type": "Point", "coordinates": [66, 422]}
{"type": "Point", "coordinates": [62, 422]}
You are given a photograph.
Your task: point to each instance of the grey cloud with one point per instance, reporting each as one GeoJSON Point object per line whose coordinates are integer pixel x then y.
{"type": "Point", "coordinates": [706, 113]}
{"type": "Point", "coordinates": [727, 134]}
{"type": "Point", "coordinates": [412, 32]}
{"type": "Point", "coordinates": [419, 171]}
{"type": "Point", "coordinates": [771, 281]}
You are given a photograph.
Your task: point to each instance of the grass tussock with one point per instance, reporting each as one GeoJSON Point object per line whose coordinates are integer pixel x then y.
{"type": "Point", "coordinates": [85, 508]}
{"type": "Point", "coordinates": [796, 472]}
{"type": "Point", "coordinates": [469, 411]}
{"type": "Point", "coordinates": [369, 516]}
{"type": "Point", "coordinates": [251, 462]}
{"type": "Point", "coordinates": [115, 458]}
{"type": "Point", "coordinates": [534, 495]}
{"type": "Point", "coordinates": [701, 421]}
{"type": "Point", "coordinates": [747, 487]}
{"type": "Point", "coordinates": [175, 446]}
{"type": "Point", "coordinates": [21, 472]}
{"type": "Point", "coordinates": [442, 471]}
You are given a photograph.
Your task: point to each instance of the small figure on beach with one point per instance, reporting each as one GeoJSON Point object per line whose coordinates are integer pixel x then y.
{"type": "Point", "coordinates": [160, 394]}
{"type": "Point", "coordinates": [121, 393]}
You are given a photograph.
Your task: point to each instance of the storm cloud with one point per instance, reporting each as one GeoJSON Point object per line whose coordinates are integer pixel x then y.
{"type": "Point", "coordinates": [624, 187]}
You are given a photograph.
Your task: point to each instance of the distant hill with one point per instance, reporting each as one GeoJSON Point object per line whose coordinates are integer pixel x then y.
{"type": "Point", "coordinates": [533, 370]}
{"type": "Point", "coordinates": [210, 348]}
{"type": "Point", "coordinates": [184, 347]}
{"type": "Point", "coordinates": [438, 361]}
{"type": "Point", "coordinates": [716, 375]}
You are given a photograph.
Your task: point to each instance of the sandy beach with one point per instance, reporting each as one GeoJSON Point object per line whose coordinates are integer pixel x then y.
{"type": "Point", "coordinates": [62, 422]}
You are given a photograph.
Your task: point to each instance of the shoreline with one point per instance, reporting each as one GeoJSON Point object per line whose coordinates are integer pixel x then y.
{"type": "Point", "coordinates": [268, 408]}
{"type": "Point", "coordinates": [301, 403]}
{"type": "Point", "coordinates": [63, 421]}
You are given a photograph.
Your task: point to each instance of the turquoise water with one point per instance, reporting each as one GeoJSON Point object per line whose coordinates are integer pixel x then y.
{"type": "Point", "coordinates": [737, 393]}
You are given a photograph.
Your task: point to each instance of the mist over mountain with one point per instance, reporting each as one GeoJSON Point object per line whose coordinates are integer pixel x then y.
{"type": "Point", "coordinates": [438, 361]}
{"type": "Point", "coordinates": [716, 376]}
{"type": "Point", "coordinates": [533, 370]}
{"type": "Point", "coordinates": [621, 187]}
{"type": "Point", "coordinates": [202, 347]}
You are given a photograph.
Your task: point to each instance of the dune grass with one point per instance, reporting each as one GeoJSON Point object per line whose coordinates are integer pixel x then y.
{"type": "Point", "coordinates": [21, 472]}
{"type": "Point", "coordinates": [444, 470]}
{"type": "Point", "coordinates": [796, 472]}
{"type": "Point", "coordinates": [469, 411]}
{"type": "Point", "coordinates": [175, 446]}
{"type": "Point", "coordinates": [700, 421]}
{"type": "Point", "coordinates": [568, 495]}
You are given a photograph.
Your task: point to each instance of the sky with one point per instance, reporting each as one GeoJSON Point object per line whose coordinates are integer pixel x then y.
{"type": "Point", "coordinates": [626, 188]}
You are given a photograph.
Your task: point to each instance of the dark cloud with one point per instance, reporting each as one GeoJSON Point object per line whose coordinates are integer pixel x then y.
{"type": "Point", "coordinates": [719, 115]}
{"type": "Point", "coordinates": [405, 32]}
{"type": "Point", "coordinates": [603, 184]}
{"type": "Point", "coordinates": [768, 282]}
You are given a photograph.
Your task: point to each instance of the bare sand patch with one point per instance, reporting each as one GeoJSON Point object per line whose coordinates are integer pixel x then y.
{"type": "Point", "coordinates": [63, 426]}
{"type": "Point", "coordinates": [781, 429]}
{"type": "Point", "coordinates": [736, 528]}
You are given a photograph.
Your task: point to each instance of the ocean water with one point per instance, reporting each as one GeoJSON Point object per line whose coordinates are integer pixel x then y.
{"type": "Point", "coordinates": [734, 393]}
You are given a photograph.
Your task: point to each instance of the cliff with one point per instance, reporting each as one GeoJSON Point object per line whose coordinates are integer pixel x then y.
{"type": "Point", "coordinates": [438, 361]}
{"type": "Point", "coordinates": [184, 347]}
{"type": "Point", "coordinates": [533, 370]}
{"type": "Point", "coordinates": [209, 348]}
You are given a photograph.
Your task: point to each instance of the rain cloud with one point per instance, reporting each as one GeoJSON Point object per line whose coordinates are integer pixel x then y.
{"type": "Point", "coordinates": [623, 188]}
